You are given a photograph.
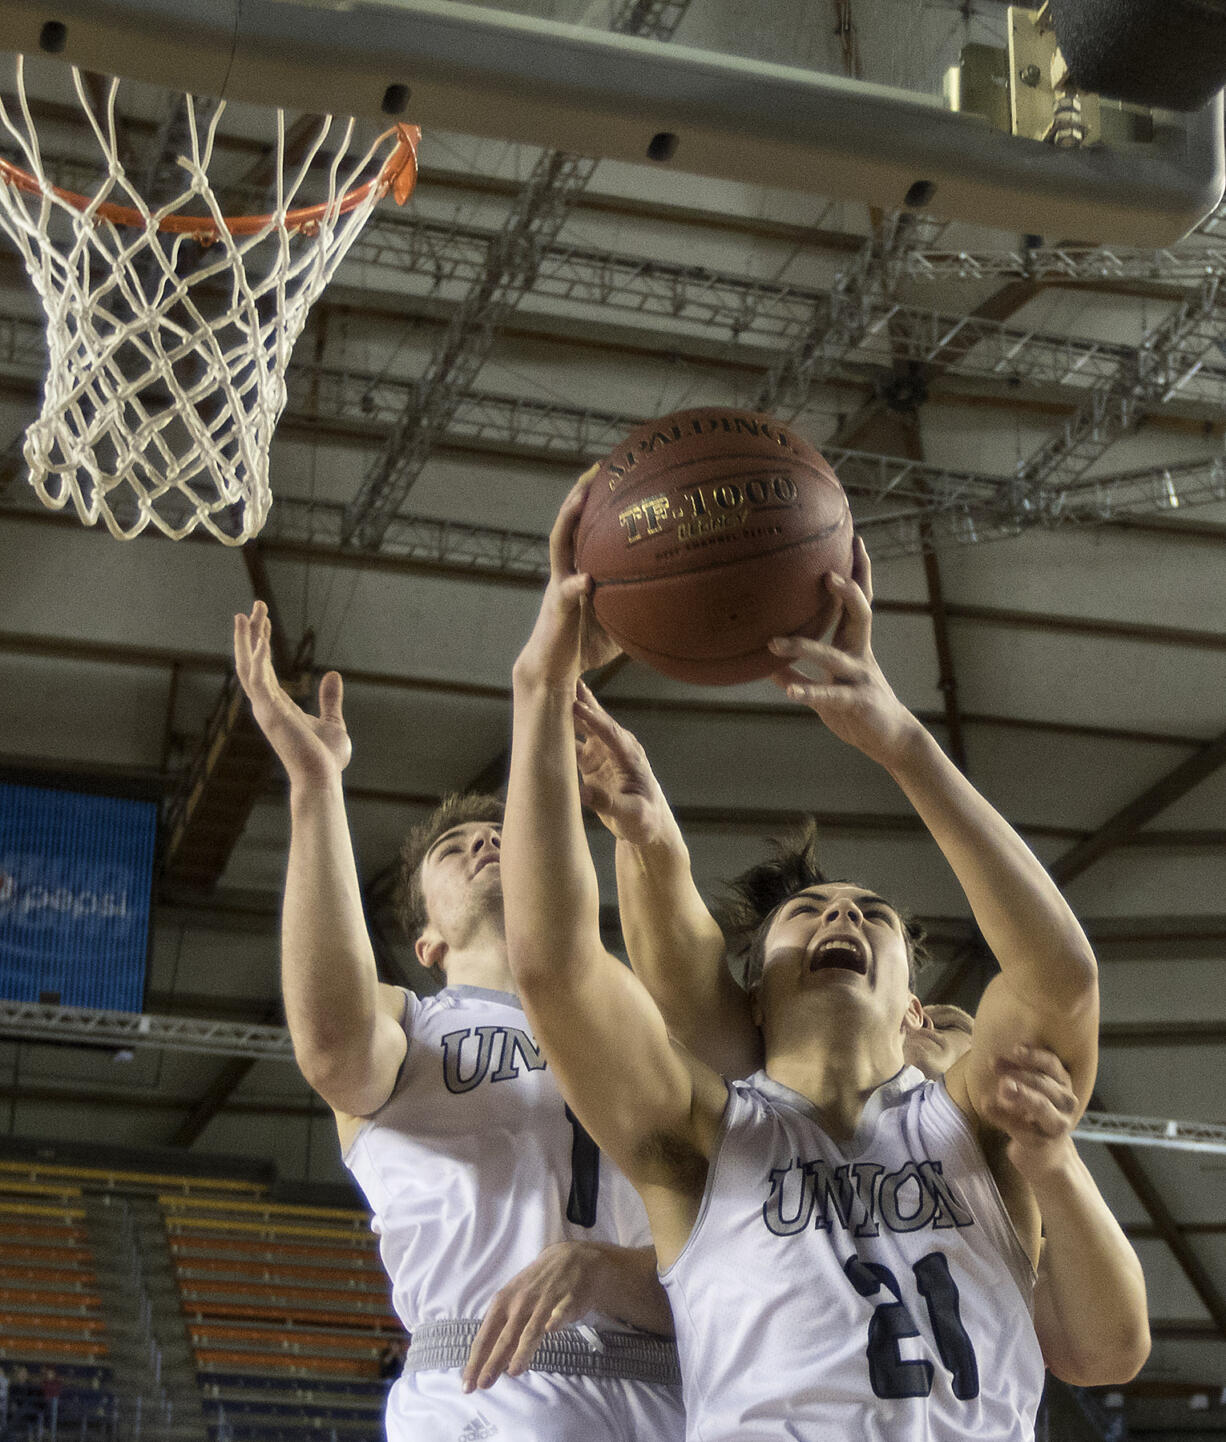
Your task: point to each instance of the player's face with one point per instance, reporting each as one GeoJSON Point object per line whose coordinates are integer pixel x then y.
{"type": "Point", "coordinates": [837, 938]}
{"type": "Point", "coordinates": [461, 874]}
{"type": "Point", "coordinates": [938, 1040]}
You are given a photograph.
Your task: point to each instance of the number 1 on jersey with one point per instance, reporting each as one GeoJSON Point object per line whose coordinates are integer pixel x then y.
{"type": "Point", "coordinates": [940, 1294]}
{"type": "Point", "coordinates": [584, 1175]}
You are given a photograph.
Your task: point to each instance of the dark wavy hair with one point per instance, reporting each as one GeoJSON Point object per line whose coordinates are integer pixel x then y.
{"type": "Point", "coordinates": [456, 809]}
{"type": "Point", "coordinates": [750, 901]}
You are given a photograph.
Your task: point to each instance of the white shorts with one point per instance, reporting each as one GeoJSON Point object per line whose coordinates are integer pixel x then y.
{"type": "Point", "coordinates": [535, 1407]}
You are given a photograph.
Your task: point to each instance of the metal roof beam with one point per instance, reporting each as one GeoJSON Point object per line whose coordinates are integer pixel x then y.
{"type": "Point", "coordinates": [1121, 828]}
{"type": "Point", "coordinates": [1169, 1230]}
{"type": "Point", "coordinates": [78, 1095]}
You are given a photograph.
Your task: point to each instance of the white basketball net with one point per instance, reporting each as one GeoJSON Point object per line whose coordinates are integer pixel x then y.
{"type": "Point", "coordinates": [167, 355]}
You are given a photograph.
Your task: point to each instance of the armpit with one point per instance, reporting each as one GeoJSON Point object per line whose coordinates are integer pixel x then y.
{"type": "Point", "coordinates": [672, 1161]}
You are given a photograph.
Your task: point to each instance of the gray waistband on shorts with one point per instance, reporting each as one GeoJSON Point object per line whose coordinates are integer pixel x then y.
{"type": "Point", "coordinates": [573, 1351]}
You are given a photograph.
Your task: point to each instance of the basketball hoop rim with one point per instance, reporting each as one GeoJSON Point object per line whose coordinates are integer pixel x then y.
{"type": "Point", "coordinates": [397, 174]}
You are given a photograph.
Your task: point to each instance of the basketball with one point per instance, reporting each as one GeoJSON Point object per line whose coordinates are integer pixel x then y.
{"type": "Point", "coordinates": [706, 533]}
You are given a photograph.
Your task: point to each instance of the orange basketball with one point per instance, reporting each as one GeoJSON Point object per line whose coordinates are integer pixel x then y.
{"type": "Point", "coordinates": [706, 533]}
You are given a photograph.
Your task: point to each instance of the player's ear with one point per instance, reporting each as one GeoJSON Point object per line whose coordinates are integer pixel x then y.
{"type": "Point", "coordinates": [430, 949]}
{"type": "Point", "coordinates": [913, 1017]}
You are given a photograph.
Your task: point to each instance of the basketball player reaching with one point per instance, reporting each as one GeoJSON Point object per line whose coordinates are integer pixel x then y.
{"type": "Point", "coordinates": [847, 1252]}
{"type": "Point", "coordinates": [489, 1199]}
{"type": "Point", "coordinates": [1090, 1310]}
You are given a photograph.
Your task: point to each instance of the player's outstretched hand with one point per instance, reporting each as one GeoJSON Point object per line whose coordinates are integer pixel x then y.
{"type": "Point", "coordinates": [615, 778]}
{"type": "Point", "coordinates": [561, 1286]}
{"type": "Point", "coordinates": [313, 749]}
{"type": "Point", "coordinates": [1034, 1103]}
{"type": "Point", "coordinates": [566, 638]}
{"type": "Point", "coordinates": [850, 693]}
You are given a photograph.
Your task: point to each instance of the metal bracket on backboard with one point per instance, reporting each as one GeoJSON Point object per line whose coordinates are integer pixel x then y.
{"type": "Point", "coordinates": [488, 72]}
{"type": "Point", "coordinates": [1038, 80]}
{"type": "Point", "coordinates": [1023, 88]}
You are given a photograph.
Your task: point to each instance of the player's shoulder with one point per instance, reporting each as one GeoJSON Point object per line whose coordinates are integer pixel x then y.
{"type": "Point", "coordinates": [944, 1126]}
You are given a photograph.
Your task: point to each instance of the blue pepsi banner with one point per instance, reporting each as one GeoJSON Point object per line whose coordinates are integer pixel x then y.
{"type": "Point", "coordinates": [76, 874]}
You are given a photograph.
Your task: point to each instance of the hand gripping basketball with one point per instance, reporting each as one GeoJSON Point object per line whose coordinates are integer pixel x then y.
{"type": "Point", "coordinates": [566, 639]}
{"type": "Point", "coordinates": [853, 697]}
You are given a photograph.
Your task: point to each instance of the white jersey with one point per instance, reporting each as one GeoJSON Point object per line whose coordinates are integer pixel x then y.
{"type": "Point", "coordinates": [473, 1165]}
{"type": "Point", "coordinates": [872, 1289]}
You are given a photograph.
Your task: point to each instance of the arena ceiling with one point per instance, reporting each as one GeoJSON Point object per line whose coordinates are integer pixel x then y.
{"type": "Point", "coordinates": [1071, 656]}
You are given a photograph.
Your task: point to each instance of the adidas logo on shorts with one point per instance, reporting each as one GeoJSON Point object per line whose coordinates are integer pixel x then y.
{"type": "Point", "coordinates": [478, 1430]}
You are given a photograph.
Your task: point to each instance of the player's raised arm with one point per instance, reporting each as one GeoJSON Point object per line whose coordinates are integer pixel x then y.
{"type": "Point", "coordinates": [651, 1109]}
{"type": "Point", "coordinates": [347, 1038]}
{"type": "Point", "coordinates": [1090, 1310]}
{"type": "Point", "coordinates": [1047, 992]}
{"type": "Point", "coordinates": [674, 944]}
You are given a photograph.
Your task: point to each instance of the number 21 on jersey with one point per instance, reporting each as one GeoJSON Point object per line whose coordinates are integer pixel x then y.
{"type": "Point", "coordinates": [892, 1375]}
